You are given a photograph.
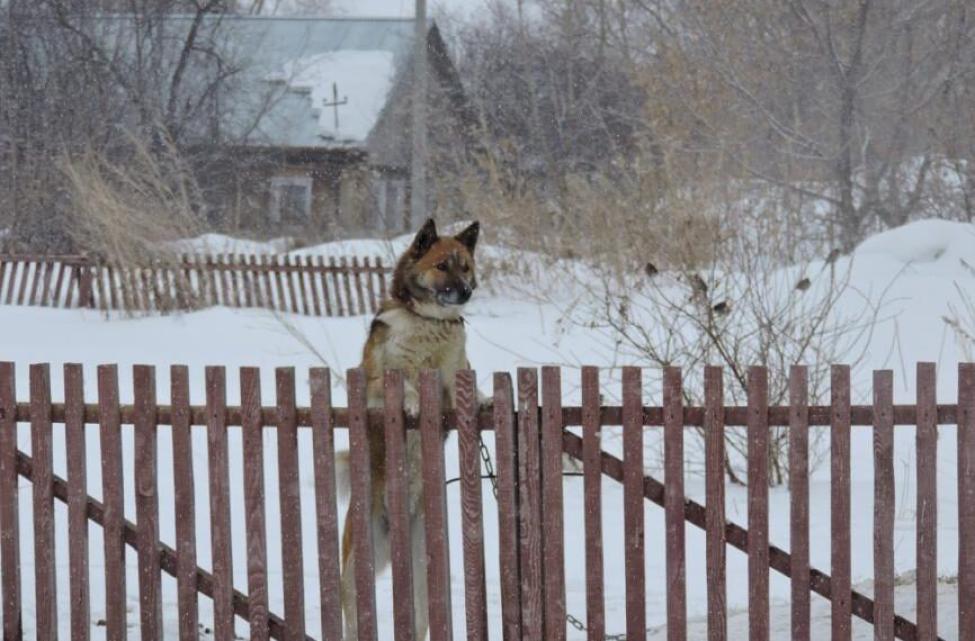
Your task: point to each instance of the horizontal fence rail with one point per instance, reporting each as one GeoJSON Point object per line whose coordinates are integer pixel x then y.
{"type": "Point", "coordinates": [309, 285]}
{"type": "Point", "coordinates": [528, 421]}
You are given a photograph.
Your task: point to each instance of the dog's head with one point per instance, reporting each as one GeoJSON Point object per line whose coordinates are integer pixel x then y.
{"type": "Point", "coordinates": [436, 274]}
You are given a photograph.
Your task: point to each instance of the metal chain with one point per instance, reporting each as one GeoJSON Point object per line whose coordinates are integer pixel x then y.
{"type": "Point", "coordinates": [488, 466]}
{"type": "Point", "coordinates": [489, 473]}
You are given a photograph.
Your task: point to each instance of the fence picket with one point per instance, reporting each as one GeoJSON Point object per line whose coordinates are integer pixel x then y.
{"type": "Point", "coordinates": [74, 433]}
{"type": "Point", "coordinates": [714, 470]}
{"type": "Point", "coordinates": [592, 489]}
{"type": "Point", "coordinates": [357, 275]}
{"type": "Point", "coordinates": [432, 435]}
{"type": "Point", "coordinates": [219, 483]}
{"type": "Point", "coordinates": [347, 286]}
{"type": "Point", "coordinates": [382, 280]}
{"type": "Point", "coordinates": [371, 273]}
{"type": "Point", "coordinates": [883, 506]}
{"type": "Point", "coordinates": [289, 276]}
{"type": "Point", "coordinates": [182, 439]}
{"type": "Point", "coordinates": [234, 273]}
{"type": "Point", "coordinates": [300, 275]}
{"type": "Point", "coordinates": [147, 503]}
{"type": "Point", "coordinates": [43, 455]}
{"type": "Point", "coordinates": [799, 500]}
{"type": "Point", "coordinates": [397, 503]}
{"type": "Point", "coordinates": [56, 294]}
{"type": "Point", "coordinates": [323, 279]}
{"type": "Point", "coordinates": [506, 445]}
{"type": "Point", "coordinates": [3, 272]}
{"type": "Point", "coordinates": [323, 444]}
{"type": "Point", "coordinates": [633, 519]}
{"type": "Point", "coordinates": [360, 508]}
{"type": "Point", "coordinates": [254, 281]}
{"type": "Point", "coordinates": [281, 302]}
{"type": "Point", "coordinates": [758, 555]}
{"type": "Point", "coordinates": [927, 502]}
{"type": "Point", "coordinates": [12, 280]}
{"type": "Point", "coordinates": [256, 527]}
{"type": "Point", "coordinates": [113, 527]}
{"type": "Point", "coordinates": [26, 277]}
{"type": "Point", "coordinates": [553, 554]}
{"type": "Point", "coordinates": [468, 441]}
{"type": "Point", "coordinates": [674, 504]}
{"type": "Point", "coordinates": [530, 506]}
{"type": "Point", "coordinates": [46, 289]}
{"type": "Point", "coordinates": [35, 282]}
{"type": "Point", "coordinates": [9, 507]}
{"type": "Point", "coordinates": [269, 284]}
{"type": "Point", "coordinates": [840, 502]}
{"type": "Point", "coordinates": [309, 269]}
{"type": "Point", "coordinates": [966, 500]}
{"type": "Point", "coordinates": [290, 499]}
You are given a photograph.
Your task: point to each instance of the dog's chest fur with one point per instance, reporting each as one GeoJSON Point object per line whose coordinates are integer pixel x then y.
{"type": "Point", "coordinates": [413, 343]}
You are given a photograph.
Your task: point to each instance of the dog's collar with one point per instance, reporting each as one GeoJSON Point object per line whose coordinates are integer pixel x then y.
{"type": "Point", "coordinates": [409, 306]}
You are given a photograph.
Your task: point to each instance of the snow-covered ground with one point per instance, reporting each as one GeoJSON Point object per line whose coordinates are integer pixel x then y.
{"type": "Point", "coordinates": [507, 331]}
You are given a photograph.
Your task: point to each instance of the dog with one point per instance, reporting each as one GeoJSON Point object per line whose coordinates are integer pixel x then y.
{"type": "Point", "coordinates": [420, 326]}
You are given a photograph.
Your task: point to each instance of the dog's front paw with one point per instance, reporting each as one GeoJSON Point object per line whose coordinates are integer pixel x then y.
{"type": "Point", "coordinates": [411, 406]}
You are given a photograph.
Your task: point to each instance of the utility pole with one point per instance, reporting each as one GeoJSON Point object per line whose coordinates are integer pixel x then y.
{"type": "Point", "coordinates": [418, 161]}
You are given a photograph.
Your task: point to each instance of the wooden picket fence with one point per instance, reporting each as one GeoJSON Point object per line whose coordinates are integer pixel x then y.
{"type": "Point", "coordinates": [297, 284]}
{"type": "Point", "coordinates": [530, 439]}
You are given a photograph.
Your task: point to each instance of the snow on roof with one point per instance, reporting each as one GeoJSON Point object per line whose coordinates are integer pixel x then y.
{"type": "Point", "coordinates": [346, 90]}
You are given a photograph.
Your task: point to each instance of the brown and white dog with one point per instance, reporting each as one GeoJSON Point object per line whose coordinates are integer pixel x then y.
{"type": "Point", "coordinates": [419, 327]}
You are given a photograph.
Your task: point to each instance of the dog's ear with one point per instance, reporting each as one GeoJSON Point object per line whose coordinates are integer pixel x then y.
{"type": "Point", "coordinates": [468, 237]}
{"type": "Point", "coordinates": [424, 239]}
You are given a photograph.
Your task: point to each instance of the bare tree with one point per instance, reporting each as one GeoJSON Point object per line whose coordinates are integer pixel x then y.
{"type": "Point", "coordinates": [76, 78]}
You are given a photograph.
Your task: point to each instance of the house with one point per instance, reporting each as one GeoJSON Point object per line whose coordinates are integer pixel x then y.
{"type": "Point", "coordinates": [315, 125]}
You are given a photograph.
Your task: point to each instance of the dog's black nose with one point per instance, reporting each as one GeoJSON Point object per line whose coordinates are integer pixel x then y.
{"type": "Point", "coordinates": [465, 293]}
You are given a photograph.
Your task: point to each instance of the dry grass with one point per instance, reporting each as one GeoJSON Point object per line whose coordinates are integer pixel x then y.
{"type": "Point", "coordinates": [124, 209]}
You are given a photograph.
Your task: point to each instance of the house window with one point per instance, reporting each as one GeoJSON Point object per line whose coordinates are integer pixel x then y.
{"type": "Point", "coordinates": [291, 199]}
{"type": "Point", "coordinates": [390, 200]}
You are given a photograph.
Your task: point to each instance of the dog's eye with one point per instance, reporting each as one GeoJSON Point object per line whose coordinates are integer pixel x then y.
{"type": "Point", "coordinates": [442, 266]}
{"type": "Point", "coordinates": [466, 268]}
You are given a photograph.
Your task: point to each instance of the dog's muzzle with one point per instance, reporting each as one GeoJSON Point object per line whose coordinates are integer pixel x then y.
{"type": "Point", "coordinates": [454, 295]}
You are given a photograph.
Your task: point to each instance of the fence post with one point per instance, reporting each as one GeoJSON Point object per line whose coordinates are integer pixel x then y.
{"type": "Point", "coordinates": [674, 504]}
{"type": "Point", "coordinates": [74, 428]}
{"type": "Point", "coordinates": [9, 512]}
{"type": "Point", "coordinates": [468, 440]}
{"type": "Point", "coordinates": [758, 555]}
{"type": "Point", "coordinates": [966, 500]}
{"type": "Point", "coordinates": [553, 554]}
{"type": "Point", "coordinates": [256, 525]}
{"type": "Point", "coordinates": [884, 503]}
{"type": "Point", "coordinates": [592, 482]}
{"type": "Point", "coordinates": [840, 511]}
{"type": "Point", "coordinates": [633, 519]}
{"type": "Point", "coordinates": [530, 506]}
{"type": "Point", "coordinates": [927, 502]}
{"type": "Point", "coordinates": [360, 509]}
{"type": "Point", "coordinates": [714, 517]}
{"type": "Point", "coordinates": [219, 484]}
{"type": "Point", "coordinates": [113, 526]}
{"type": "Point", "coordinates": [799, 500]}
{"type": "Point", "coordinates": [326, 510]}
{"type": "Point", "coordinates": [84, 275]}
{"type": "Point", "coordinates": [506, 443]}
{"type": "Point", "coordinates": [397, 504]}
{"type": "Point", "coordinates": [147, 503]}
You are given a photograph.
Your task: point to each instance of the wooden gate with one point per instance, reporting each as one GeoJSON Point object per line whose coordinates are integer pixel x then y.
{"type": "Point", "coordinates": [530, 436]}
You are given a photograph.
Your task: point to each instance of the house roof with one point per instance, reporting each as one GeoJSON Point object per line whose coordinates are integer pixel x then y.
{"type": "Point", "coordinates": [287, 68]}
{"type": "Point", "coordinates": [292, 69]}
